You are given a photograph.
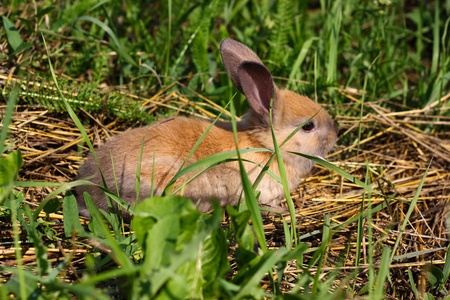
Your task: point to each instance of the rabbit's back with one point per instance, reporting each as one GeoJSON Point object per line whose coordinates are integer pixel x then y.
{"type": "Point", "coordinates": [165, 147]}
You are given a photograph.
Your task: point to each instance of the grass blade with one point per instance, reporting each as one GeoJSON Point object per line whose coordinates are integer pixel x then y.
{"type": "Point", "coordinates": [267, 262]}
{"type": "Point", "coordinates": [120, 49]}
{"type": "Point", "coordinates": [296, 68]}
{"type": "Point", "coordinates": [116, 251]}
{"type": "Point", "coordinates": [383, 273]}
{"type": "Point", "coordinates": [7, 116]}
{"type": "Point", "coordinates": [168, 39]}
{"type": "Point", "coordinates": [321, 253]}
{"type": "Point", "coordinates": [214, 160]}
{"type": "Point", "coordinates": [410, 210]}
{"type": "Point", "coordinates": [198, 164]}
{"type": "Point", "coordinates": [17, 242]}
{"type": "Point", "coordinates": [446, 269]}
{"type": "Point", "coordinates": [436, 40]}
{"type": "Point", "coordinates": [338, 170]}
{"type": "Point", "coordinates": [360, 229]}
{"type": "Point", "coordinates": [413, 284]}
{"type": "Point", "coordinates": [334, 42]}
{"type": "Point", "coordinates": [250, 197]}
{"type": "Point", "coordinates": [138, 171]}
{"type": "Point", "coordinates": [75, 119]}
{"type": "Point", "coordinates": [287, 192]}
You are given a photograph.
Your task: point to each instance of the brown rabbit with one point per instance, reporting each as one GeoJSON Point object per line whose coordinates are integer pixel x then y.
{"type": "Point", "coordinates": [169, 143]}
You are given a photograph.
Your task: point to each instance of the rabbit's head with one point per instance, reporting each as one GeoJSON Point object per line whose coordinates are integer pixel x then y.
{"type": "Point", "coordinates": [289, 110]}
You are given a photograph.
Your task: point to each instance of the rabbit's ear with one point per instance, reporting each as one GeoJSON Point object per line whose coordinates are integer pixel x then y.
{"type": "Point", "coordinates": [233, 55]}
{"type": "Point", "coordinates": [257, 85]}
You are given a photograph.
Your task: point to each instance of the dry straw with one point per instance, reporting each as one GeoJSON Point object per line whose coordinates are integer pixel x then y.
{"type": "Point", "coordinates": [397, 155]}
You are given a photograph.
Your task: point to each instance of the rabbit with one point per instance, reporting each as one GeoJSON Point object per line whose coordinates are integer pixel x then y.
{"type": "Point", "coordinates": [168, 143]}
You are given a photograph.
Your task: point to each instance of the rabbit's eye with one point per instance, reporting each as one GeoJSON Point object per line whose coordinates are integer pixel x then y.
{"type": "Point", "coordinates": [308, 126]}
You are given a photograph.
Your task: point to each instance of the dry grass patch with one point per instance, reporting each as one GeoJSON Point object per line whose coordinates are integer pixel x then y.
{"type": "Point", "coordinates": [395, 155]}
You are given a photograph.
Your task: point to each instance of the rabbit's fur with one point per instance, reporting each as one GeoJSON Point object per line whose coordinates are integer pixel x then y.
{"type": "Point", "coordinates": [168, 144]}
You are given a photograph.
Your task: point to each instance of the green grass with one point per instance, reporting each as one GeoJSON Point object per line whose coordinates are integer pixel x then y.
{"type": "Point", "coordinates": [336, 43]}
{"type": "Point", "coordinates": [389, 51]}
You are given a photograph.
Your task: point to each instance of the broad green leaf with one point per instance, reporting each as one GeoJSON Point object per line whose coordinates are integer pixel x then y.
{"type": "Point", "coordinates": [244, 235]}
{"type": "Point", "coordinates": [23, 46]}
{"type": "Point", "coordinates": [151, 210]}
{"type": "Point", "coordinates": [183, 248]}
{"type": "Point", "coordinates": [71, 215]}
{"type": "Point", "coordinates": [429, 296]}
{"type": "Point", "coordinates": [160, 242]}
{"type": "Point", "coordinates": [214, 262]}
{"type": "Point", "coordinates": [44, 11]}
{"type": "Point", "coordinates": [27, 23]}
{"type": "Point", "coordinates": [13, 35]}
{"type": "Point", "coordinates": [13, 285]}
{"type": "Point", "coordinates": [446, 269]}
{"type": "Point", "coordinates": [94, 225]}
{"type": "Point", "coordinates": [9, 169]}
{"type": "Point", "coordinates": [243, 231]}
{"type": "Point", "coordinates": [434, 275]}
{"type": "Point", "coordinates": [188, 254]}
{"type": "Point", "coordinates": [52, 206]}
{"type": "Point", "coordinates": [175, 288]}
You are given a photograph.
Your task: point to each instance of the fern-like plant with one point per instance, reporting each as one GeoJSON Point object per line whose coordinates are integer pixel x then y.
{"type": "Point", "coordinates": [88, 96]}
